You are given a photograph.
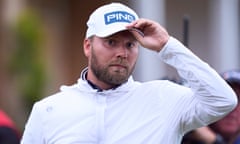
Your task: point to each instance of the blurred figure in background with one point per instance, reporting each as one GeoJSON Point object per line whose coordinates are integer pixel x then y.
{"type": "Point", "coordinates": [203, 135]}
{"type": "Point", "coordinates": [9, 134]}
{"type": "Point", "coordinates": [227, 129]}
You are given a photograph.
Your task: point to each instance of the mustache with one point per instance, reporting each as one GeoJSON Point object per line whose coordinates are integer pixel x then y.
{"type": "Point", "coordinates": [120, 61]}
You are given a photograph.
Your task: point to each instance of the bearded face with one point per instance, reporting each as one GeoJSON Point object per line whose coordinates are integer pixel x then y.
{"type": "Point", "coordinates": [111, 59]}
{"type": "Point", "coordinates": [114, 72]}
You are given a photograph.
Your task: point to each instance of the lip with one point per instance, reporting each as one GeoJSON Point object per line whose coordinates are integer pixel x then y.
{"type": "Point", "coordinates": [119, 65]}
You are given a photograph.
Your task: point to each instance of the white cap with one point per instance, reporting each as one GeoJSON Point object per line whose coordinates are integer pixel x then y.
{"type": "Point", "coordinates": [109, 19]}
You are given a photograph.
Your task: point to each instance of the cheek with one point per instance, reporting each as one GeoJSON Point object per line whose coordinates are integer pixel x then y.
{"type": "Point", "coordinates": [101, 54]}
{"type": "Point", "coordinates": [134, 56]}
{"type": "Point", "coordinates": [101, 58]}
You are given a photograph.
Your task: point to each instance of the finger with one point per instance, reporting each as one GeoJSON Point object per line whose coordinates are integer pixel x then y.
{"type": "Point", "coordinates": [136, 24]}
{"type": "Point", "coordinates": [138, 31]}
{"type": "Point", "coordinates": [132, 24]}
{"type": "Point", "coordinates": [139, 35]}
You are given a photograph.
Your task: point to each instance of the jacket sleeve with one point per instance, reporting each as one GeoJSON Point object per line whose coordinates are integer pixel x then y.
{"type": "Point", "coordinates": [33, 133]}
{"type": "Point", "coordinates": [212, 97]}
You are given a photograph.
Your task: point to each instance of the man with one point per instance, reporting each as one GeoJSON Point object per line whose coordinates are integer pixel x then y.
{"type": "Point", "coordinates": [107, 106]}
{"type": "Point", "coordinates": [229, 127]}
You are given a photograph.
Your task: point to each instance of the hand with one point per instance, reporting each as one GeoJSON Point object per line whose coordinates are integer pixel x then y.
{"type": "Point", "coordinates": [155, 36]}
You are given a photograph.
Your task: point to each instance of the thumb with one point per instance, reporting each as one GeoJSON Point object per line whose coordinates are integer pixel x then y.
{"type": "Point", "coordinates": [138, 34]}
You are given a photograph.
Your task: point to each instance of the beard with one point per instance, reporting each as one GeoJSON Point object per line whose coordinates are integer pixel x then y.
{"type": "Point", "coordinates": [107, 73]}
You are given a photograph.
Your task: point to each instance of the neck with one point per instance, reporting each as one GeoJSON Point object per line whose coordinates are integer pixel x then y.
{"type": "Point", "coordinates": [96, 83]}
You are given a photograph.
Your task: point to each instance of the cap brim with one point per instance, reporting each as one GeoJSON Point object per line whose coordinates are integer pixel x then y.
{"type": "Point", "coordinates": [112, 31]}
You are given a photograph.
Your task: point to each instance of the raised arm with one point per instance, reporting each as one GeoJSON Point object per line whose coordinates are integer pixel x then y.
{"type": "Point", "coordinates": [212, 96]}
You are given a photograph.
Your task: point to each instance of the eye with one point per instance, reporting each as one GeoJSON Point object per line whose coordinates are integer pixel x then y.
{"type": "Point", "coordinates": [111, 42]}
{"type": "Point", "coordinates": [130, 45]}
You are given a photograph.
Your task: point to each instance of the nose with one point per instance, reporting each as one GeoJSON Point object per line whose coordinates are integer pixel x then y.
{"type": "Point", "coordinates": [122, 52]}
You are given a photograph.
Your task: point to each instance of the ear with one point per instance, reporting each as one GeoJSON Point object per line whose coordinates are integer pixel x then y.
{"type": "Point", "coordinates": [87, 47]}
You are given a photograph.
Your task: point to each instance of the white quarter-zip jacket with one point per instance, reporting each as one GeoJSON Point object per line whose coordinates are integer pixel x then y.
{"type": "Point", "coordinates": [154, 112]}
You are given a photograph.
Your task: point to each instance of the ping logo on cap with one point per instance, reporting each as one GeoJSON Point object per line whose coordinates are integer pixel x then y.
{"type": "Point", "coordinates": [118, 16]}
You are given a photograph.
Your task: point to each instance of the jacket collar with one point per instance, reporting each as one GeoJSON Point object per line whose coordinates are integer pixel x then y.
{"type": "Point", "coordinates": [83, 78]}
